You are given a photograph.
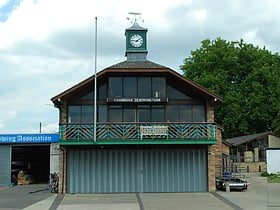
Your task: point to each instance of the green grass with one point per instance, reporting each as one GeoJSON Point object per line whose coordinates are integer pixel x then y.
{"type": "Point", "coordinates": [272, 178]}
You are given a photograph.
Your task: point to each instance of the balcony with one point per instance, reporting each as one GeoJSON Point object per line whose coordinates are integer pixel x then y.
{"type": "Point", "coordinates": [137, 133]}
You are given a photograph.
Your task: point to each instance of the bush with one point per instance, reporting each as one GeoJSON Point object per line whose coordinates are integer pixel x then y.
{"type": "Point", "coordinates": [265, 174]}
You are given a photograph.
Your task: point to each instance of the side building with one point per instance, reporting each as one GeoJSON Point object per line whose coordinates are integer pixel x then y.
{"type": "Point", "coordinates": [155, 129]}
{"type": "Point", "coordinates": [34, 155]}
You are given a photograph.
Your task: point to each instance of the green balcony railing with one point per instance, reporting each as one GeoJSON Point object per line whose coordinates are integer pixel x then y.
{"type": "Point", "coordinates": [138, 133]}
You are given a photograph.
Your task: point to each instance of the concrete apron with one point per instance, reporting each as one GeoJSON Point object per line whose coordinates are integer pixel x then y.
{"type": "Point", "coordinates": [142, 201]}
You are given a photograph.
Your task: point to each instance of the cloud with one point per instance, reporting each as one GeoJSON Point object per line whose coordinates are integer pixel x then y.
{"type": "Point", "coordinates": [3, 3]}
{"type": "Point", "coordinates": [47, 46]}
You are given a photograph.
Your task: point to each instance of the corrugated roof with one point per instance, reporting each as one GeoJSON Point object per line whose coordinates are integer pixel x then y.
{"type": "Point", "coordinates": [244, 139]}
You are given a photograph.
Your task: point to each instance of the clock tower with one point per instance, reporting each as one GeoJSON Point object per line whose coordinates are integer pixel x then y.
{"type": "Point", "coordinates": [136, 42]}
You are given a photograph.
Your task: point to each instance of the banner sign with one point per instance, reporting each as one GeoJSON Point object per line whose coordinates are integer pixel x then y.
{"type": "Point", "coordinates": [29, 138]}
{"type": "Point", "coordinates": [137, 100]}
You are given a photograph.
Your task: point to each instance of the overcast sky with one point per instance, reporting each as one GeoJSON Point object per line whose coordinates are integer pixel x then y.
{"type": "Point", "coordinates": [47, 46]}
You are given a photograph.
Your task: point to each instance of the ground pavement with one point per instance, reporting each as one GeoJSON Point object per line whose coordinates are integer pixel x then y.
{"type": "Point", "coordinates": [259, 196]}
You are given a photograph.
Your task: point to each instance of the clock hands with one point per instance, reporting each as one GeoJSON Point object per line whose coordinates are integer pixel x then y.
{"type": "Point", "coordinates": [136, 40]}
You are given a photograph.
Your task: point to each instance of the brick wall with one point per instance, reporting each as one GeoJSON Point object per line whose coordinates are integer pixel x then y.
{"type": "Point", "coordinates": [210, 113]}
{"type": "Point", "coordinates": [214, 158]}
{"type": "Point", "coordinates": [214, 152]}
{"type": "Point", "coordinates": [62, 170]}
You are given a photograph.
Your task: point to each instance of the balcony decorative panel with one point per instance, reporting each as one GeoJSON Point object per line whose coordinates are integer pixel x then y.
{"type": "Point", "coordinates": [138, 133]}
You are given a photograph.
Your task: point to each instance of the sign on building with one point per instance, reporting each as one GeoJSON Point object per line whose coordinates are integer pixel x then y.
{"type": "Point", "coordinates": [29, 138]}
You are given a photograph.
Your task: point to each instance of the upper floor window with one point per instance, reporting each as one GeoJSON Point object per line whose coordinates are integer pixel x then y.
{"type": "Point", "coordinates": [82, 113]}
{"type": "Point", "coordinates": [173, 93]}
{"type": "Point", "coordinates": [115, 87]}
{"type": "Point", "coordinates": [130, 86]}
{"type": "Point", "coordinates": [142, 87]}
{"type": "Point", "coordinates": [139, 113]}
{"type": "Point", "coordinates": [185, 113]}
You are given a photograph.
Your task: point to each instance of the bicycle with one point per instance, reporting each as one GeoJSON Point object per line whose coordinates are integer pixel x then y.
{"type": "Point", "coordinates": [54, 182]}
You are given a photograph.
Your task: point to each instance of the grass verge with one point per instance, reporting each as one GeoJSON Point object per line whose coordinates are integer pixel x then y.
{"type": "Point", "coordinates": [272, 178]}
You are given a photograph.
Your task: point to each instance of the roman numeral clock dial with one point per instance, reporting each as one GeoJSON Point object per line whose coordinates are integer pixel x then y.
{"type": "Point", "coordinates": [136, 40]}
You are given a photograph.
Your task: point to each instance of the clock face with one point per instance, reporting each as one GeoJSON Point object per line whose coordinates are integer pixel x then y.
{"type": "Point", "coordinates": [136, 40]}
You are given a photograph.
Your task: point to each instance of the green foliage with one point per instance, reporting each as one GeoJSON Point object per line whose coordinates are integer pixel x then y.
{"type": "Point", "coordinates": [271, 178]}
{"type": "Point", "coordinates": [264, 174]}
{"type": "Point", "coordinates": [246, 77]}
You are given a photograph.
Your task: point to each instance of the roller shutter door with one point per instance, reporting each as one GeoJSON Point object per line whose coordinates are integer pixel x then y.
{"type": "Point", "coordinates": [150, 170]}
{"type": "Point", "coordinates": [5, 164]}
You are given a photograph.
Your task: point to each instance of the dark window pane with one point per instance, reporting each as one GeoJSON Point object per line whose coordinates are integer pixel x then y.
{"type": "Point", "coordinates": [87, 114]}
{"type": "Point", "coordinates": [158, 87]}
{"type": "Point", "coordinates": [198, 113]}
{"type": "Point", "coordinates": [102, 92]}
{"type": "Point", "coordinates": [115, 114]}
{"type": "Point", "coordinates": [157, 114]}
{"type": "Point", "coordinates": [115, 87]}
{"type": "Point", "coordinates": [172, 113]}
{"type": "Point", "coordinates": [130, 86]}
{"type": "Point", "coordinates": [173, 93]}
{"type": "Point", "coordinates": [186, 113]}
{"type": "Point", "coordinates": [88, 96]}
{"type": "Point", "coordinates": [144, 113]}
{"type": "Point", "coordinates": [74, 114]}
{"type": "Point", "coordinates": [102, 114]}
{"type": "Point", "coordinates": [129, 115]}
{"type": "Point", "coordinates": [144, 87]}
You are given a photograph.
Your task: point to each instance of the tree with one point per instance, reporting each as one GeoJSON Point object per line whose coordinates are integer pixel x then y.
{"type": "Point", "coordinates": [246, 77]}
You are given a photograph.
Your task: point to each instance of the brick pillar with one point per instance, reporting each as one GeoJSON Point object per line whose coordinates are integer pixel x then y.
{"type": "Point", "coordinates": [219, 152]}
{"type": "Point", "coordinates": [63, 151]}
{"type": "Point", "coordinates": [62, 171]}
{"type": "Point", "coordinates": [210, 113]}
{"type": "Point", "coordinates": [211, 152]}
{"type": "Point", "coordinates": [211, 169]}
{"type": "Point", "coordinates": [214, 163]}
{"type": "Point", "coordinates": [63, 113]}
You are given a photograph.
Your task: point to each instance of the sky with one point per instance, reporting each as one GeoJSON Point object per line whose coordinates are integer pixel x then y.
{"type": "Point", "coordinates": [47, 46]}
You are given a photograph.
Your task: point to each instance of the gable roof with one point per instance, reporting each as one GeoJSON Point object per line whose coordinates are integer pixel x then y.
{"type": "Point", "coordinates": [244, 139]}
{"type": "Point", "coordinates": [141, 67]}
{"type": "Point", "coordinates": [137, 64]}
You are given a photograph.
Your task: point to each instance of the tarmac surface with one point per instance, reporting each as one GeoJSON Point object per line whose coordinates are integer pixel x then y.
{"type": "Point", "coordinates": [260, 196]}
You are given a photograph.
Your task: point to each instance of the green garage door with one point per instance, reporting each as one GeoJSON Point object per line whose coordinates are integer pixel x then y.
{"type": "Point", "coordinates": [149, 170]}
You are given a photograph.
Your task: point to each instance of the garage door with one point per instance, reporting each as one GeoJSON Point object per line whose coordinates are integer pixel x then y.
{"type": "Point", "coordinates": [150, 170]}
{"type": "Point", "coordinates": [5, 164]}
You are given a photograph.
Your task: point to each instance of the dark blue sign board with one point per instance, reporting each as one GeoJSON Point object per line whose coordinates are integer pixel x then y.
{"type": "Point", "coordinates": [29, 138]}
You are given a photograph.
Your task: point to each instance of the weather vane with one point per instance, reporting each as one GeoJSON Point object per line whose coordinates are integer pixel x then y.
{"type": "Point", "coordinates": [137, 16]}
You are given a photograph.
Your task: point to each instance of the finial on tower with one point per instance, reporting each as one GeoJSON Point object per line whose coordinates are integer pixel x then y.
{"type": "Point", "coordinates": [137, 17]}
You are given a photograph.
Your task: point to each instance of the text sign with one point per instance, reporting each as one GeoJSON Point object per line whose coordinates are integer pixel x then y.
{"type": "Point", "coordinates": [29, 138]}
{"type": "Point", "coordinates": [155, 130]}
{"type": "Point", "coordinates": [137, 100]}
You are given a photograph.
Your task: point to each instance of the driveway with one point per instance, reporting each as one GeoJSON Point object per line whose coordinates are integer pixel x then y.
{"type": "Point", "coordinates": [259, 196]}
{"type": "Point", "coordinates": [19, 197]}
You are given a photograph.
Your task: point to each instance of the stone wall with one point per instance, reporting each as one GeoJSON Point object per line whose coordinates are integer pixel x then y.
{"type": "Point", "coordinates": [252, 167]}
{"type": "Point", "coordinates": [273, 141]}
